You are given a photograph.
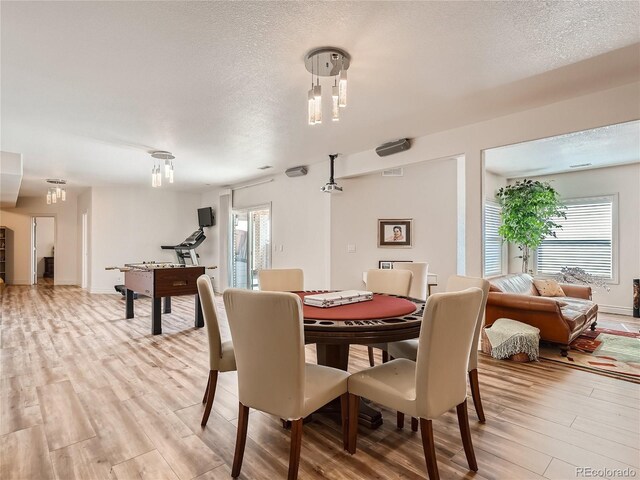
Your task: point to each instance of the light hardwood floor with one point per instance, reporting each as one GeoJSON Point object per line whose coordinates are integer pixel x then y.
{"type": "Point", "coordinates": [86, 394]}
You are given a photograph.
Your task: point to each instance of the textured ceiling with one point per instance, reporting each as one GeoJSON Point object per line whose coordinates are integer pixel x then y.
{"type": "Point", "coordinates": [599, 147]}
{"type": "Point", "coordinates": [89, 88]}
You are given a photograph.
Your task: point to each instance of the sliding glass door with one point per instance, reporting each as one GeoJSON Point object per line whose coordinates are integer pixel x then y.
{"type": "Point", "coordinates": [251, 245]}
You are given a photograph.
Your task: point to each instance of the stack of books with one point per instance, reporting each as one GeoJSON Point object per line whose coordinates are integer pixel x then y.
{"type": "Point", "coordinates": [333, 299]}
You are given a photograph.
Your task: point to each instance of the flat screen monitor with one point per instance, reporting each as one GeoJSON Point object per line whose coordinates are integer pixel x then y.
{"type": "Point", "coordinates": [205, 217]}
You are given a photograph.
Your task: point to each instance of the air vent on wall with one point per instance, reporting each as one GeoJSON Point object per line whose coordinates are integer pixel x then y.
{"type": "Point", "coordinates": [393, 172]}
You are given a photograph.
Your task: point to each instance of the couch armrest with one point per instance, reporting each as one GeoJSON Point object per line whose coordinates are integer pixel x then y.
{"type": "Point", "coordinates": [525, 302]}
{"type": "Point", "coordinates": [576, 291]}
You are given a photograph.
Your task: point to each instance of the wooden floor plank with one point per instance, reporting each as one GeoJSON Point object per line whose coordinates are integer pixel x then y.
{"type": "Point", "coordinates": [65, 421]}
{"type": "Point", "coordinates": [25, 455]}
{"type": "Point", "coordinates": [81, 461]}
{"type": "Point", "coordinates": [150, 466]}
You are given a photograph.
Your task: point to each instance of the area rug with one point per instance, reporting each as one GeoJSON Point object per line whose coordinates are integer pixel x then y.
{"type": "Point", "coordinates": [609, 352]}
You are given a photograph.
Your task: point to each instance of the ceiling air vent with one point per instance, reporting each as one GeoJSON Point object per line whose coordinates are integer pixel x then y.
{"type": "Point", "coordinates": [393, 172]}
{"type": "Point", "coordinates": [265, 167]}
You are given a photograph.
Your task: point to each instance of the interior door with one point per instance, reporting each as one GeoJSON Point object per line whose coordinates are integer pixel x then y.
{"type": "Point", "coordinates": [251, 245]}
{"type": "Point", "coordinates": [34, 251]}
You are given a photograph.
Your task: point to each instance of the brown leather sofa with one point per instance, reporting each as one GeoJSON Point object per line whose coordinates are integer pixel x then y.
{"type": "Point", "coordinates": [560, 319]}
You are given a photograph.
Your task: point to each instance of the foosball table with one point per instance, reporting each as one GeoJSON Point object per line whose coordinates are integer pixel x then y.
{"type": "Point", "coordinates": [161, 280]}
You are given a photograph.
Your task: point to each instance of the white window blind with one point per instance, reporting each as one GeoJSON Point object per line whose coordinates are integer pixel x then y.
{"type": "Point", "coordinates": [585, 239]}
{"type": "Point", "coordinates": [492, 241]}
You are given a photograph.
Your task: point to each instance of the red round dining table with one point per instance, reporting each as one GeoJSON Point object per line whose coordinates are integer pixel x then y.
{"type": "Point", "coordinates": [386, 318]}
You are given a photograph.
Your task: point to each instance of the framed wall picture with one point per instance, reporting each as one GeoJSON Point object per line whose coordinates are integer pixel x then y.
{"type": "Point", "coordinates": [395, 233]}
{"type": "Point", "coordinates": [388, 264]}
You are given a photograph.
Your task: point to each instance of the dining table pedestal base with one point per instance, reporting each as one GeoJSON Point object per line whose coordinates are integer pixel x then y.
{"type": "Point", "coordinates": [337, 356]}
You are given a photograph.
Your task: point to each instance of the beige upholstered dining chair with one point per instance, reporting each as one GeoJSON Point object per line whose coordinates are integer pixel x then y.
{"type": "Point", "coordinates": [435, 382]}
{"type": "Point", "coordinates": [419, 280]}
{"type": "Point", "coordinates": [268, 335]}
{"type": "Point", "coordinates": [392, 282]}
{"type": "Point", "coordinates": [281, 280]}
{"type": "Point", "coordinates": [409, 348]}
{"type": "Point", "coordinates": [221, 355]}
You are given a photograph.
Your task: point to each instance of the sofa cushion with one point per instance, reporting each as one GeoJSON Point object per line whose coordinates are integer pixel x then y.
{"type": "Point", "coordinates": [577, 311]}
{"type": "Point", "coordinates": [520, 283]}
{"type": "Point", "coordinates": [548, 287]}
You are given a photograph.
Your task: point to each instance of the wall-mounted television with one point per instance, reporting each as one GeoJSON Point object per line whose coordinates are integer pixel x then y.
{"type": "Point", "coordinates": [205, 217]}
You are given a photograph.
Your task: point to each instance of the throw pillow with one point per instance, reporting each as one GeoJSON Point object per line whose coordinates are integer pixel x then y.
{"type": "Point", "coordinates": [548, 288]}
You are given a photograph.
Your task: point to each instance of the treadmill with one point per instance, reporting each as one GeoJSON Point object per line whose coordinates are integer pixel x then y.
{"type": "Point", "coordinates": [186, 251]}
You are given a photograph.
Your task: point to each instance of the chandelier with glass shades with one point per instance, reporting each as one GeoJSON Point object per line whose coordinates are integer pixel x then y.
{"type": "Point", "coordinates": [163, 167]}
{"type": "Point", "coordinates": [327, 62]}
{"type": "Point", "coordinates": [57, 192]}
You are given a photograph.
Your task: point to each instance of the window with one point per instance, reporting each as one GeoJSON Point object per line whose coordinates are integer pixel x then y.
{"type": "Point", "coordinates": [492, 241]}
{"type": "Point", "coordinates": [585, 239]}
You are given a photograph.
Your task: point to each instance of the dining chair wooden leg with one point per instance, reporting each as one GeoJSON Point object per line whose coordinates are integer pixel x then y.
{"type": "Point", "coordinates": [475, 394]}
{"type": "Point", "coordinates": [371, 360]}
{"type": "Point", "coordinates": [206, 390]}
{"type": "Point", "coordinates": [465, 433]}
{"type": "Point", "coordinates": [354, 409]}
{"type": "Point", "coordinates": [414, 424]}
{"type": "Point", "coordinates": [344, 417]}
{"type": "Point", "coordinates": [241, 439]}
{"type": "Point", "coordinates": [211, 393]}
{"type": "Point", "coordinates": [385, 356]}
{"type": "Point", "coordinates": [294, 452]}
{"type": "Point", "coordinates": [400, 419]}
{"type": "Point", "coordinates": [426, 430]}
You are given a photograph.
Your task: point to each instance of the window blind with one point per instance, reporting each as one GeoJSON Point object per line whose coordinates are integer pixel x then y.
{"type": "Point", "coordinates": [585, 239]}
{"type": "Point", "coordinates": [492, 241]}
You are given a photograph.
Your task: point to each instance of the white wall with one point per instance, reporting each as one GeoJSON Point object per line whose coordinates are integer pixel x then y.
{"type": "Point", "coordinates": [45, 237]}
{"type": "Point", "coordinates": [623, 180]}
{"type": "Point", "coordinates": [209, 251]}
{"type": "Point", "coordinates": [18, 219]}
{"type": "Point", "coordinates": [426, 193]}
{"type": "Point", "coordinates": [130, 224]}
{"type": "Point", "coordinates": [492, 183]}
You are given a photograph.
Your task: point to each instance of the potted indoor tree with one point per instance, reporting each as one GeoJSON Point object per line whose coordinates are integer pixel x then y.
{"type": "Point", "coordinates": [528, 210]}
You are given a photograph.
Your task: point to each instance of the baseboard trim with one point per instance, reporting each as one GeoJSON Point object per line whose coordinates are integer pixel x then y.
{"type": "Point", "coordinates": [615, 309]}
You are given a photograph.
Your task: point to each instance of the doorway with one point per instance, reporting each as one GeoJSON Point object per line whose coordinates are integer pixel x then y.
{"type": "Point", "coordinates": [85, 250]}
{"type": "Point", "coordinates": [43, 241]}
{"type": "Point", "coordinates": [251, 245]}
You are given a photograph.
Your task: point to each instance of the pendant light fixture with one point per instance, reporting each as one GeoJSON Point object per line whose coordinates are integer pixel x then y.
{"type": "Point", "coordinates": [327, 62]}
{"type": "Point", "coordinates": [163, 165]}
{"type": "Point", "coordinates": [58, 192]}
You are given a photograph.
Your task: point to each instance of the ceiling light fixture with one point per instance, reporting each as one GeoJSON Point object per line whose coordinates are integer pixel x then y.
{"type": "Point", "coordinates": [331, 186]}
{"type": "Point", "coordinates": [165, 161]}
{"type": "Point", "coordinates": [327, 62]}
{"type": "Point", "coordinates": [57, 192]}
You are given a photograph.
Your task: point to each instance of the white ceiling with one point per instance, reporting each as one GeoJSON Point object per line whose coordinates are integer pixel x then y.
{"type": "Point", "coordinates": [89, 88]}
{"type": "Point", "coordinates": [596, 148]}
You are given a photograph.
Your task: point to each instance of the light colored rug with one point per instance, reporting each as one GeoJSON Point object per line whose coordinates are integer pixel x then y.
{"type": "Point", "coordinates": [609, 352]}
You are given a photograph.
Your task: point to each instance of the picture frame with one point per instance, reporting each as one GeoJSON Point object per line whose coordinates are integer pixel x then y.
{"type": "Point", "coordinates": [388, 264]}
{"type": "Point", "coordinates": [395, 233]}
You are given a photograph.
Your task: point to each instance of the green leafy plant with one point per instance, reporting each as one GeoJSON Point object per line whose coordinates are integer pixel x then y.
{"type": "Point", "coordinates": [528, 208]}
